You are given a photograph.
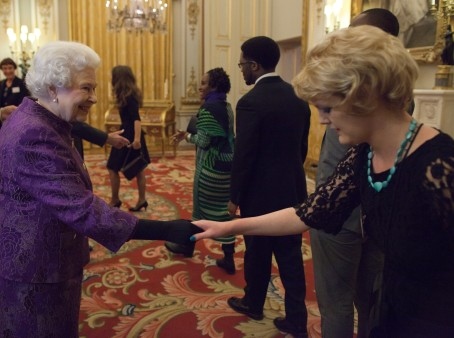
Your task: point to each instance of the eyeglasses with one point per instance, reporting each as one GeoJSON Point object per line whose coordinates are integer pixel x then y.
{"type": "Point", "coordinates": [243, 63]}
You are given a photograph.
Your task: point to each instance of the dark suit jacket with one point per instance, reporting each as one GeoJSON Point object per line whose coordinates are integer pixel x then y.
{"type": "Point", "coordinates": [272, 128]}
{"type": "Point", "coordinates": [82, 130]}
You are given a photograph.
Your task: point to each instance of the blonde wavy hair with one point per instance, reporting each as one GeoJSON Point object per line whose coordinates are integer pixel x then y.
{"type": "Point", "coordinates": [359, 65]}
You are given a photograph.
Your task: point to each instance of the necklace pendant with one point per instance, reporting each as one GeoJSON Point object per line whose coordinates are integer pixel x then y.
{"type": "Point", "coordinates": [378, 186]}
{"type": "Point", "coordinates": [409, 137]}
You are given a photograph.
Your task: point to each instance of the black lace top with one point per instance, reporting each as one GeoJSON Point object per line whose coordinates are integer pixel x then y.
{"type": "Point", "coordinates": [412, 221]}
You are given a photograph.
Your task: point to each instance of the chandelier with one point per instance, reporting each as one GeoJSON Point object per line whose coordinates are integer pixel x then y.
{"type": "Point", "coordinates": [137, 15]}
{"type": "Point", "coordinates": [337, 15]}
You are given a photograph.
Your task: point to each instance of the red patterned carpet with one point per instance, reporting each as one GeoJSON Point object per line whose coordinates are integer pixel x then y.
{"type": "Point", "coordinates": [144, 291]}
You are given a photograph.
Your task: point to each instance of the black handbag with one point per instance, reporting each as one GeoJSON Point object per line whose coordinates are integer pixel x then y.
{"type": "Point", "coordinates": [192, 125]}
{"type": "Point", "coordinates": [132, 168]}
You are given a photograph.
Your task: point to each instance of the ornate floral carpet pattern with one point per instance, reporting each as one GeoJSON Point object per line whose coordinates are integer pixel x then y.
{"type": "Point", "coordinates": [145, 291]}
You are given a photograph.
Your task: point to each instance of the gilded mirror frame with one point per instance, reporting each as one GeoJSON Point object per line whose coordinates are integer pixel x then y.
{"type": "Point", "coordinates": [427, 54]}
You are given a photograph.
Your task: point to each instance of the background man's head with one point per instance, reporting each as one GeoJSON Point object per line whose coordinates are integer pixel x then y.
{"type": "Point", "coordinates": [378, 17]}
{"type": "Point", "coordinates": [259, 55]}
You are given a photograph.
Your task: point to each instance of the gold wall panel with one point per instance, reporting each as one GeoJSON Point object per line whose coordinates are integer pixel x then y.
{"type": "Point", "coordinates": [149, 55]}
{"type": "Point", "coordinates": [316, 133]}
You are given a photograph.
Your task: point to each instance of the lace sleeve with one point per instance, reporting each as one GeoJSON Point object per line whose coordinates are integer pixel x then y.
{"type": "Point", "coordinates": [440, 182]}
{"type": "Point", "coordinates": [332, 202]}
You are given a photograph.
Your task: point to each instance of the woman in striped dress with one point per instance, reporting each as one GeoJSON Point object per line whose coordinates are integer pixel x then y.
{"type": "Point", "coordinates": [214, 141]}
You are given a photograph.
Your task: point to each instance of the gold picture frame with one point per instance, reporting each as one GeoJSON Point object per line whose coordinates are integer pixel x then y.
{"type": "Point", "coordinates": [426, 54]}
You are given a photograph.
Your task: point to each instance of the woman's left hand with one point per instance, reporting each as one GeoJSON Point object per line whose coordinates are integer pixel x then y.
{"type": "Point", "coordinates": [116, 140]}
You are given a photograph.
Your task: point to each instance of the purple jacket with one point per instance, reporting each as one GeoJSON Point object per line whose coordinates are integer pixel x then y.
{"type": "Point", "coordinates": [47, 207]}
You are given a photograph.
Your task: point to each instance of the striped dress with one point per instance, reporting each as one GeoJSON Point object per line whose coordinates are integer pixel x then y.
{"type": "Point", "coordinates": [214, 145]}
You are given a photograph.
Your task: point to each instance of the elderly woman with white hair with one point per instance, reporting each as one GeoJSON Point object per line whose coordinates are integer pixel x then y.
{"type": "Point", "coordinates": [48, 209]}
{"type": "Point", "coordinates": [400, 172]}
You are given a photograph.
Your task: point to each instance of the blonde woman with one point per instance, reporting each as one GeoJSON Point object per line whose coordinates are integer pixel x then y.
{"type": "Point", "coordinates": [401, 173]}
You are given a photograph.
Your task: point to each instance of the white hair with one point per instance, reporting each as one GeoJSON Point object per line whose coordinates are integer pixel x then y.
{"type": "Point", "coordinates": [55, 64]}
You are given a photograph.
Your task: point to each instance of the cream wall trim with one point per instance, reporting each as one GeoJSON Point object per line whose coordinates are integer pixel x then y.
{"type": "Point", "coordinates": [45, 7]}
{"type": "Point", "coordinates": [286, 19]}
{"type": "Point", "coordinates": [434, 108]}
{"type": "Point", "coordinates": [228, 23]}
{"type": "Point", "coordinates": [192, 96]}
{"type": "Point", "coordinates": [188, 51]}
{"type": "Point", "coordinates": [5, 12]}
{"type": "Point", "coordinates": [193, 16]}
{"type": "Point", "coordinates": [319, 5]}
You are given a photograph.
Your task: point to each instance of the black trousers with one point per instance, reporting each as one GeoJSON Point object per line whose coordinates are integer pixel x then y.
{"type": "Point", "coordinates": [257, 272]}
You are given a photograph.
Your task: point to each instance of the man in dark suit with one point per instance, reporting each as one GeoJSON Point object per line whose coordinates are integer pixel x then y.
{"type": "Point", "coordinates": [272, 127]}
{"type": "Point", "coordinates": [82, 130]}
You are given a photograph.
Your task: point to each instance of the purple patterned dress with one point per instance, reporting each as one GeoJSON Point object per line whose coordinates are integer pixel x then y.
{"type": "Point", "coordinates": [47, 212]}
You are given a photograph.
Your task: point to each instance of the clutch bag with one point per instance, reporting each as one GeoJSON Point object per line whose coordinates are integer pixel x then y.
{"type": "Point", "coordinates": [133, 167]}
{"type": "Point", "coordinates": [192, 125]}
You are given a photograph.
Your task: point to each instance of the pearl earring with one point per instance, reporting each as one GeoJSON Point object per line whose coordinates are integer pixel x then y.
{"type": "Point", "coordinates": [55, 100]}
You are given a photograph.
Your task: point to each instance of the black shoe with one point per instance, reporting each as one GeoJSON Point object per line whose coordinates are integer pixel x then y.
{"type": "Point", "coordinates": [237, 305]}
{"type": "Point", "coordinates": [117, 204]}
{"type": "Point", "coordinates": [227, 265]}
{"type": "Point", "coordinates": [180, 249]}
{"type": "Point", "coordinates": [139, 206]}
{"type": "Point", "coordinates": [285, 326]}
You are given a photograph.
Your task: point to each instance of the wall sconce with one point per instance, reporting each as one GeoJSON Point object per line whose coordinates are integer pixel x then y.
{"type": "Point", "coordinates": [337, 14]}
{"type": "Point", "coordinates": [22, 50]}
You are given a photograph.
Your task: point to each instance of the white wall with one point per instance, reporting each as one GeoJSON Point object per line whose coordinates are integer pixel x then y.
{"type": "Point", "coordinates": [426, 79]}
{"type": "Point", "coordinates": [286, 20]}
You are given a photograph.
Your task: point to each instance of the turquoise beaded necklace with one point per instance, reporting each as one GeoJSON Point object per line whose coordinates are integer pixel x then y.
{"type": "Point", "coordinates": [379, 185]}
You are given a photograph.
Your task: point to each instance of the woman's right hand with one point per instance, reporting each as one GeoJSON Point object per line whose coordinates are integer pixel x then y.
{"type": "Point", "coordinates": [212, 229]}
{"type": "Point", "coordinates": [177, 137]}
{"type": "Point", "coordinates": [136, 144]}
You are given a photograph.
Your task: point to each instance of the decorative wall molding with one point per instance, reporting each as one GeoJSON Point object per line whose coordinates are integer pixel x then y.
{"type": "Point", "coordinates": [190, 63]}
{"type": "Point", "coordinates": [434, 108]}
{"type": "Point", "coordinates": [45, 7]}
{"type": "Point", "coordinates": [5, 12]}
{"type": "Point", "coordinates": [320, 7]}
{"type": "Point", "coordinates": [193, 14]}
{"type": "Point", "coordinates": [192, 96]}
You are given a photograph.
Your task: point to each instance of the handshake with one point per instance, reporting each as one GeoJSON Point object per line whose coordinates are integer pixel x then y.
{"type": "Point", "coordinates": [176, 231]}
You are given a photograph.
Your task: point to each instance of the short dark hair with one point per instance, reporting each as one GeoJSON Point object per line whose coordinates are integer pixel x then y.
{"type": "Point", "coordinates": [219, 80]}
{"type": "Point", "coordinates": [384, 19]}
{"type": "Point", "coordinates": [262, 50]}
{"type": "Point", "coordinates": [8, 61]}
